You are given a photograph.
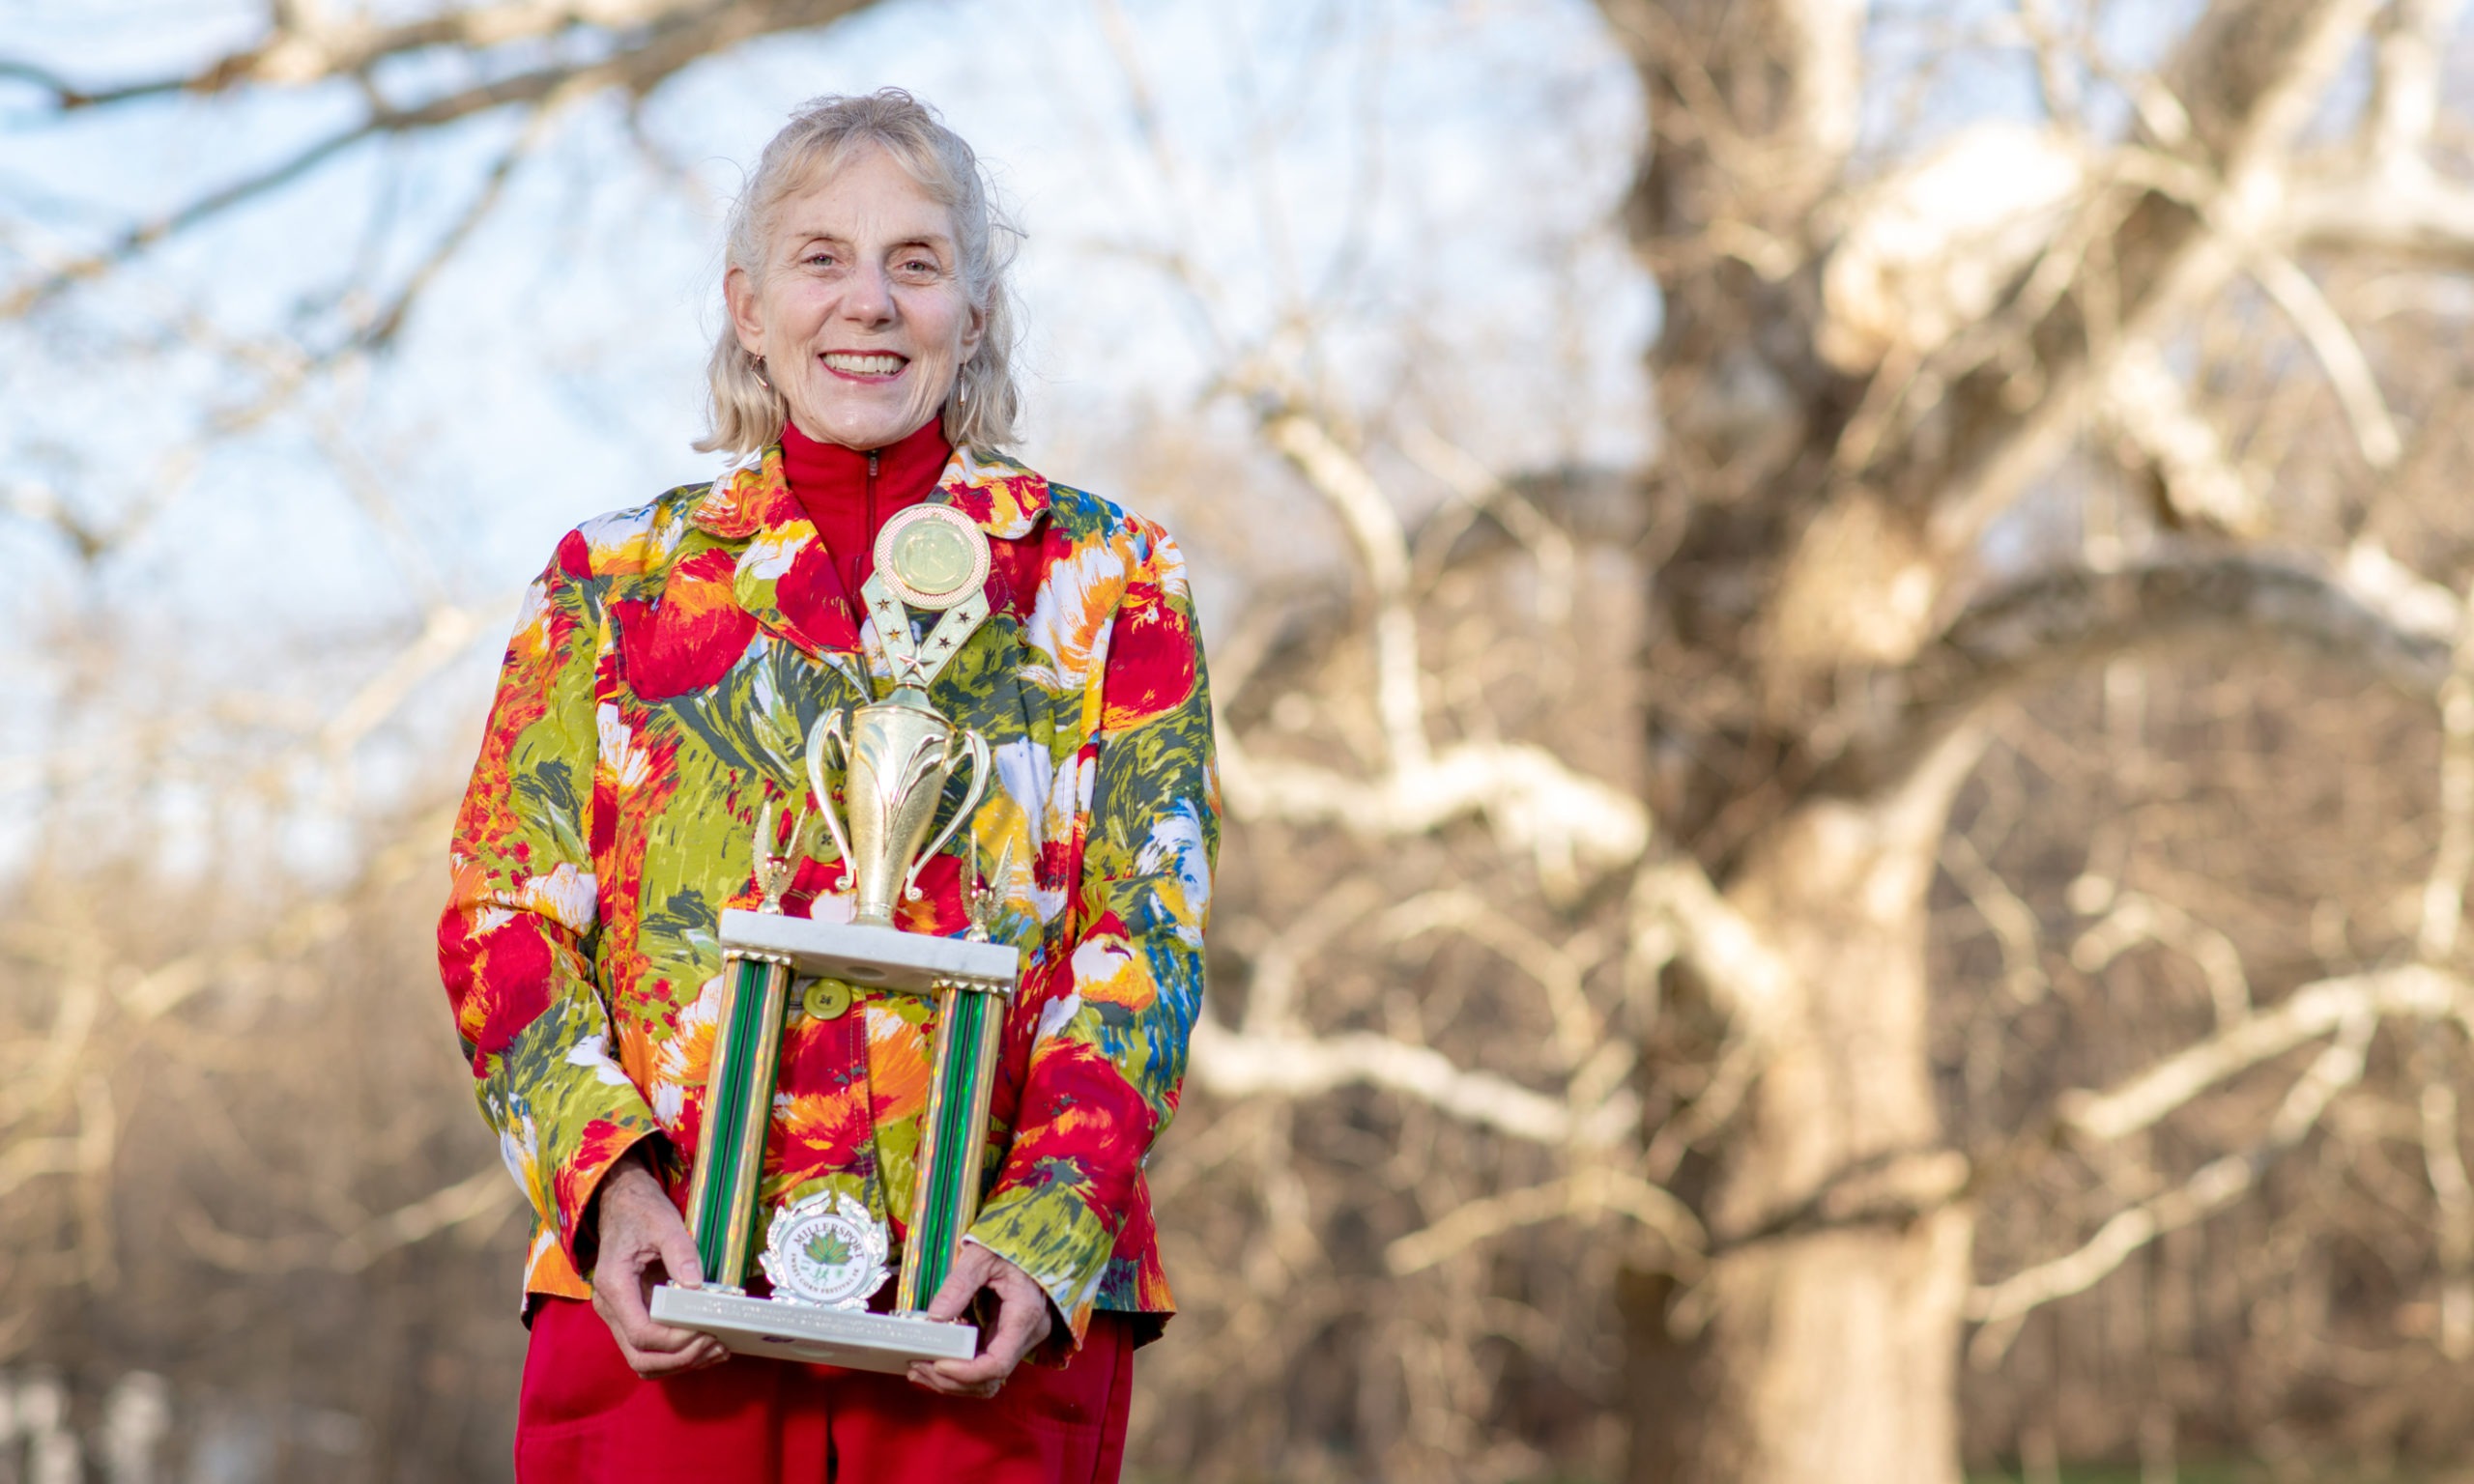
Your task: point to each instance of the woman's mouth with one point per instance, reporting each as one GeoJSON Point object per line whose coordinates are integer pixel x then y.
{"type": "Point", "coordinates": [866, 365]}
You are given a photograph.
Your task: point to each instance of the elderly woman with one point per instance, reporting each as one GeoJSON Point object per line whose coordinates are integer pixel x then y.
{"type": "Point", "coordinates": [662, 676]}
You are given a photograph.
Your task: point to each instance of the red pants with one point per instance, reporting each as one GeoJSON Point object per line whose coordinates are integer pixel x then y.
{"type": "Point", "coordinates": [585, 1419]}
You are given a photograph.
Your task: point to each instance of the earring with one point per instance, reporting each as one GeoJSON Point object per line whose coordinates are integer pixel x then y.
{"type": "Point", "coordinates": [759, 374]}
{"type": "Point", "coordinates": [962, 393]}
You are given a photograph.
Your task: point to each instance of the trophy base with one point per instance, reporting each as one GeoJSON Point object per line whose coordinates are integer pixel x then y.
{"type": "Point", "coordinates": [886, 958]}
{"type": "Point", "coordinates": [854, 1339]}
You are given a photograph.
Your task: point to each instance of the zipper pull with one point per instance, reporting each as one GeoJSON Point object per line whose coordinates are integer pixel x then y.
{"type": "Point", "coordinates": [860, 560]}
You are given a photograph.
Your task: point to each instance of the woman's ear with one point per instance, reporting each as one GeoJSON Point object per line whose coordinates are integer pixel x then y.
{"type": "Point", "coordinates": [741, 295]}
{"type": "Point", "coordinates": [974, 329]}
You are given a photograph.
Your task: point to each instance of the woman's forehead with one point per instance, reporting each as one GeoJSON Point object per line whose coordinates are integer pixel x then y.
{"type": "Point", "coordinates": [866, 196]}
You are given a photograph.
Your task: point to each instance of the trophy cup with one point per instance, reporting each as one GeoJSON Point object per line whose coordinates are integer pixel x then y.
{"type": "Point", "coordinates": [825, 1255]}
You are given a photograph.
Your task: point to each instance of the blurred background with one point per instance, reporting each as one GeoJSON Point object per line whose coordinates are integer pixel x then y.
{"type": "Point", "coordinates": [1847, 701]}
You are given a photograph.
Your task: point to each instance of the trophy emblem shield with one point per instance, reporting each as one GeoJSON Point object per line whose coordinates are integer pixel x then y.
{"type": "Point", "coordinates": [826, 1250]}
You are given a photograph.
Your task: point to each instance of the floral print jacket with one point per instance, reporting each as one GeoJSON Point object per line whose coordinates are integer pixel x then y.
{"type": "Point", "coordinates": [664, 674]}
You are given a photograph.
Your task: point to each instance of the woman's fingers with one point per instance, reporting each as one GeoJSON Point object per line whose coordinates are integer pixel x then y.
{"type": "Point", "coordinates": [969, 1275]}
{"type": "Point", "coordinates": [962, 1282]}
{"type": "Point", "coordinates": [680, 1262]}
{"type": "Point", "coordinates": [637, 1238]}
{"type": "Point", "coordinates": [1021, 1323]}
{"type": "Point", "coordinates": [653, 1348]}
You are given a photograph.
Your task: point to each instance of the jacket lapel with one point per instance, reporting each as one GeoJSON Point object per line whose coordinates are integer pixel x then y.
{"type": "Point", "coordinates": [1005, 499]}
{"type": "Point", "coordinates": [784, 577]}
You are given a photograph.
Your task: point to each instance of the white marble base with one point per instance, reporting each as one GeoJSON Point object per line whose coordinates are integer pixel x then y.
{"type": "Point", "coordinates": [799, 1332]}
{"type": "Point", "coordinates": [885, 956]}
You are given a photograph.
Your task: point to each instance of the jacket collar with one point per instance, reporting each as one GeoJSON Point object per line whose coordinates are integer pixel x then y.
{"type": "Point", "coordinates": [1003, 498]}
{"type": "Point", "coordinates": [783, 579]}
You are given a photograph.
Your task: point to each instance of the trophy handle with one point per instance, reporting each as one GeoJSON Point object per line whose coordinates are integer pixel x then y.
{"type": "Point", "coordinates": [976, 745]}
{"type": "Point", "coordinates": [832, 729]}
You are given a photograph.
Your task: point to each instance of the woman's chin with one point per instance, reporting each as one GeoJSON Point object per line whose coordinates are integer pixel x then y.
{"type": "Point", "coordinates": [873, 428]}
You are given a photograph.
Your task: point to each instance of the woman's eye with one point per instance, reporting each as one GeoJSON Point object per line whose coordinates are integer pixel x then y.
{"type": "Point", "coordinates": [820, 259]}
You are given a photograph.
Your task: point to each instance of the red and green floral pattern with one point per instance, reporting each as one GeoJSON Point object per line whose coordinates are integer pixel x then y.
{"type": "Point", "coordinates": [663, 676]}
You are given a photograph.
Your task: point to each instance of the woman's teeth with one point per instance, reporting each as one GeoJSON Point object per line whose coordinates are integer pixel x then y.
{"type": "Point", "coordinates": [872, 364]}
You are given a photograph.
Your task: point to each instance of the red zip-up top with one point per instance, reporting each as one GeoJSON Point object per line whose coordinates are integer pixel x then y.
{"type": "Point", "coordinates": [849, 495]}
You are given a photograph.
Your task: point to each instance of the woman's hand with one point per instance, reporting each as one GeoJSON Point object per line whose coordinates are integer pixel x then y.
{"type": "Point", "coordinates": [638, 1231]}
{"type": "Point", "coordinates": [1023, 1320]}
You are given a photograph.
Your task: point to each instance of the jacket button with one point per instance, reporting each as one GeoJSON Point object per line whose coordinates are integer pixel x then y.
{"type": "Point", "coordinates": [825, 998]}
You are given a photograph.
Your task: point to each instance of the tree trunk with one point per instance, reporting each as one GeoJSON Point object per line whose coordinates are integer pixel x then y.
{"type": "Point", "coordinates": [1822, 1349]}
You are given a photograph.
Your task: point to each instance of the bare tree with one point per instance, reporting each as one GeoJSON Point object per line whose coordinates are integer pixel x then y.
{"type": "Point", "coordinates": [1862, 379]}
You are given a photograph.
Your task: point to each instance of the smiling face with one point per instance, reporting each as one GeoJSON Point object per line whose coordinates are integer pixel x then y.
{"type": "Point", "coordinates": [860, 314]}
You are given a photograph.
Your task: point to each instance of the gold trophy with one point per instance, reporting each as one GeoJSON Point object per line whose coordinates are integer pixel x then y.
{"type": "Point", "coordinates": [825, 1255]}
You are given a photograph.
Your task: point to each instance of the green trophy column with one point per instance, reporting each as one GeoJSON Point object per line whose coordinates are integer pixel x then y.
{"type": "Point", "coordinates": [738, 1111]}
{"type": "Point", "coordinates": [953, 1138]}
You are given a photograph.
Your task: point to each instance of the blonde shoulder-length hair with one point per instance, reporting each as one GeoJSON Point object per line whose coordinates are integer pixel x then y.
{"type": "Point", "coordinates": [821, 136]}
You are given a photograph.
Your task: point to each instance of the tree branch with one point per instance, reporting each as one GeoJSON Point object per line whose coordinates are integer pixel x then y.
{"type": "Point", "coordinates": [1343, 480]}
{"type": "Point", "coordinates": [2057, 623]}
{"type": "Point", "coordinates": [2246, 78]}
{"type": "Point", "coordinates": [2340, 355]}
{"type": "Point", "coordinates": [1553, 966]}
{"type": "Point", "coordinates": [1232, 1064]}
{"type": "Point", "coordinates": [2148, 401]}
{"type": "Point", "coordinates": [304, 49]}
{"type": "Point", "coordinates": [2419, 217]}
{"type": "Point", "coordinates": [2218, 1183]}
{"type": "Point", "coordinates": [1565, 820]}
{"type": "Point", "coordinates": [2135, 916]}
{"type": "Point", "coordinates": [214, 203]}
{"type": "Point", "coordinates": [646, 43]}
{"type": "Point", "coordinates": [2444, 1165]}
{"type": "Point", "coordinates": [388, 322]}
{"type": "Point", "coordinates": [2413, 991]}
{"type": "Point", "coordinates": [1584, 1193]}
{"type": "Point", "coordinates": [480, 1198]}
{"type": "Point", "coordinates": [2406, 81]}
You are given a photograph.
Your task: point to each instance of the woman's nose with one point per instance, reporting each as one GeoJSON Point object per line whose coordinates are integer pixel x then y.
{"type": "Point", "coordinates": [870, 300]}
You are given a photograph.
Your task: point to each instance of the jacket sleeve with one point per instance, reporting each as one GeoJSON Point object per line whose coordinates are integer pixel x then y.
{"type": "Point", "coordinates": [515, 945]}
{"type": "Point", "coordinates": [1111, 1048]}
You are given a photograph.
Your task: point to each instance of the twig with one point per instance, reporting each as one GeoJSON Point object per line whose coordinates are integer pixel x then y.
{"type": "Point", "coordinates": [479, 1198]}
{"type": "Point", "coordinates": [2012, 921]}
{"type": "Point", "coordinates": [1465, 476]}
{"type": "Point", "coordinates": [2340, 355]}
{"type": "Point", "coordinates": [1578, 1030]}
{"type": "Point", "coordinates": [304, 50]}
{"type": "Point", "coordinates": [2444, 1162]}
{"type": "Point", "coordinates": [1343, 480]}
{"type": "Point", "coordinates": [2137, 918]}
{"type": "Point", "coordinates": [389, 322]}
{"type": "Point", "coordinates": [1271, 987]}
{"type": "Point", "coordinates": [87, 1152]}
{"type": "Point", "coordinates": [446, 633]}
{"type": "Point", "coordinates": [2444, 889]}
{"type": "Point", "coordinates": [658, 37]}
{"type": "Point", "coordinates": [2218, 1183]}
{"type": "Point", "coordinates": [205, 208]}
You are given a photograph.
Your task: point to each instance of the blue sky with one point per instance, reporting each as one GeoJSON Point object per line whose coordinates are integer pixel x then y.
{"type": "Point", "coordinates": [1469, 150]}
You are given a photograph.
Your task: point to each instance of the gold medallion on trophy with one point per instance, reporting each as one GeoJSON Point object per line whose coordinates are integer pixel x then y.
{"type": "Point", "coordinates": [932, 557]}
